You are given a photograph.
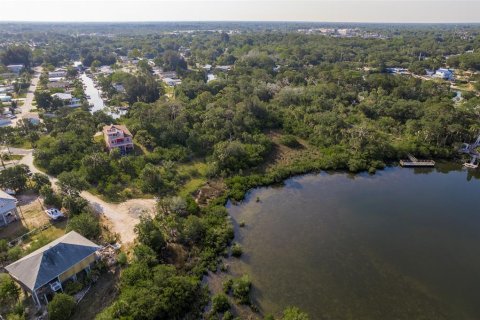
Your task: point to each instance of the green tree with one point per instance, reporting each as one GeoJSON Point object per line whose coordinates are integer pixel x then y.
{"type": "Point", "coordinates": [50, 198]}
{"type": "Point", "coordinates": [71, 182]}
{"type": "Point", "coordinates": [39, 180]}
{"type": "Point", "coordinates": [150, 234]}
{"type": "Point", "coordinates": [61, 307]}
{"type": "Point", "coordinates": [150, 179]}
{"type": "Point", "coordinates": [220, 303]}
{"type": "Point", "coordinates": [9, 291]}
{"type": "Point", "coordinates": [74, 203]}
{"type": "Point", "coordinates": [241, 289]}
{"type": "Point", "coordinates": [17, 54]}
{"type": "Point", "coordinates": [14, 178]}
{"type": "Point", "coordinates": [86, 224]}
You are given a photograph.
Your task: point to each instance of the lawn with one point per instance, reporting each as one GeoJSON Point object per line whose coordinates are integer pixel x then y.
{"type": "Point", "coordinates": [197, 171]}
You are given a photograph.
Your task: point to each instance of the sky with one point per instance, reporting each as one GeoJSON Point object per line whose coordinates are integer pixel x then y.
{"type": "Point", "coordinates": [423, 11]}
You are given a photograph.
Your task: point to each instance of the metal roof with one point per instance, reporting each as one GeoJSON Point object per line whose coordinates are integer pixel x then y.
{"type": "Point", "coordinates": [45, 264]}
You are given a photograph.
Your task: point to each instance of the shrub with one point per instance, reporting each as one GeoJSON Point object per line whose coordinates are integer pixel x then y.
{"type": "Point", "coordinates": [237, 250]}
{"type": "Point", "coordinates": [72, 287]}
{"type": "Point", "coordinates": [9, 291]}
{"type": "Point", "coordinates": [3, 245]}
{"type": "Point", "coordinates": [50, 198]}
{"type": "Point", "coordinates": [290, 141]}
{"type": "Point", "coordinates": [241, 289]}
{"type": "Point", "coordinates": [227, 285]}
{"type": "Point", "coordinates": [61, 307]}
{"type": "Point", "coordinates": [86, 224]}
{"type": "Point", "coordinates": [220, 303]}
{"type": "Point", "coordinates": [227, 315]}
{"type": "Point", "coordinates": [293, 313]}
{"type": "Point", "coordinates": [14, 253]}
{"type": "Point", "coordinates": [122, 259]}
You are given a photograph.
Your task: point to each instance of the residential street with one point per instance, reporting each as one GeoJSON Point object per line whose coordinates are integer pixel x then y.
{"type": "Point", "coordinates": [27, 105]}
{"type": "Point", "coordinates": [123, 216]}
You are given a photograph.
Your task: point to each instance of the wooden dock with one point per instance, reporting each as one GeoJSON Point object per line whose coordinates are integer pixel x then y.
{"type": "Point", "coordinates": [414, 162]}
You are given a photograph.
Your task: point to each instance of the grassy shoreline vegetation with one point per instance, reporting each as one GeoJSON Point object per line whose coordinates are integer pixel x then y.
{"type": "Point", "coordinates": [284, 103]}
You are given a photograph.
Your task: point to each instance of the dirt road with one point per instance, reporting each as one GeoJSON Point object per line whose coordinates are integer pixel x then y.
{"type": "Point", "coordinates": [123, 216]}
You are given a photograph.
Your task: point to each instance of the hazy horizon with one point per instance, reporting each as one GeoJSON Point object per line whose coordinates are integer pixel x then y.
{"type": "Point", "coordinates": [327, 11]}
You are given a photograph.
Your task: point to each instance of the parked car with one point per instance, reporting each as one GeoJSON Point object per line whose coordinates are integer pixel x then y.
{"type": "Point", "coordinates": [54, 213]}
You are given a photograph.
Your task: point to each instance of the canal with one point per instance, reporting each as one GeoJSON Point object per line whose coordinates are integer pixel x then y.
{"type": "Point", "coordinates": [93, 94]}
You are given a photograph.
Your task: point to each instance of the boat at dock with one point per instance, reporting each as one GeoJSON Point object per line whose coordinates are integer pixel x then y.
{"type": "Point", "coordinates": [414, 162]}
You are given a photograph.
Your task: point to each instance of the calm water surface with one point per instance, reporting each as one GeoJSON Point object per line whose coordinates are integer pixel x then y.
{"type": "Point", "coordinates": [93, 92]}
{"type": "Point", "coordinates": [95, 97]}
{"type": "Point", "coordinates": [401, 244]}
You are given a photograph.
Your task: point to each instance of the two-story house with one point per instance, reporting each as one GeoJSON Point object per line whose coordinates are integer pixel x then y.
{"type": "Point", "coordinates": [68, 100]}
{"type": "Point", "coordinates": [118, 136]}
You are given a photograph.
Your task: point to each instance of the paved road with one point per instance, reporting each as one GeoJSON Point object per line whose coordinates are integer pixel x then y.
{"type": "Point", "coordinates": [122, 216]}
{"type": "Point", "coordinates": [28, 103]}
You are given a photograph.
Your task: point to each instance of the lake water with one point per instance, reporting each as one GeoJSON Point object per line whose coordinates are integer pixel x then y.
{"type": "Point", "coordinates": [400, 244]}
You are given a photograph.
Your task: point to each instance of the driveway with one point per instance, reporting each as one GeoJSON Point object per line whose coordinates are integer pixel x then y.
{"type": "Point", "coordinates": [122, 216]}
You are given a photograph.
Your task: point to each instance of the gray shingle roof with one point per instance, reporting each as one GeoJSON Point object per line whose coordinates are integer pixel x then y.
{"type": "Point", "coordinates": [7, 202]}
{"type": "Point", "coordinates": [45, 264]}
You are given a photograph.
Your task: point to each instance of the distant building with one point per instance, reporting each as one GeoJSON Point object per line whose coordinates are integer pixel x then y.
{"type": "Point", "coordinates": [15, 68]}
{"type": "Point", "coordinates": [59, 85]}
{"type": "Point", "coordinates": [58, 73]}
{"type": "Point", "coordinates": [68, 100]}
{"type": "Point", "coordinates": [5, 98]}
{"type": "Point", "coordinates": [6, 89]}
{"type": "Point", "coordinates": [397, 70]}
{"type": "Point", "coordinates": [445, 74]}
{"type": "Point", "coordinates": [118, 136]}
{"type": "Point", "coordinates": [172, 82]}
{"type": "Point", "coordinates": [105, 70]}
{"type": "Point", "coordinates": [8, 209]}
{"type": "Point", "coordinates": [224, 68]}
{"type": "Point", "coordinates": [119, 87]}
{"type": "Point", "coordinates": [78, 65]}
{"type": "Point", "coordinates": [211, 77]}
{"type": "Point", "coordinates": [43, 272]}
{"type": "Point", "coordinates": [168, 74]}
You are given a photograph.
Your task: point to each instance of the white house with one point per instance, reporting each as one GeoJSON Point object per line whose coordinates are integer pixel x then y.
{"type": "Point", "coordinates": [211, 77]}
{"type": "Point", "coordinates": [8, 209]}
{"type": "Point", "coordinates": [58, 73]}
{"type": "Point", "coordinates": [5, 98]}
{"type": "Point", "coordinates": [224, 68]}
{"type": "Point", "coordinates": [171, 82]}
{"type": "Point", "coordinates": [67, 99]}
{"type": "Point", "coordinates": [15, 68]}
{"type": "Point", "coordinates": [445, 74]}
{"type": "Point", "coordinates": [6, 89]}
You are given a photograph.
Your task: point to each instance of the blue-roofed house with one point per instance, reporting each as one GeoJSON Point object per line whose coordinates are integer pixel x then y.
{"type": "Point", "coordinates": [42, 272]}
